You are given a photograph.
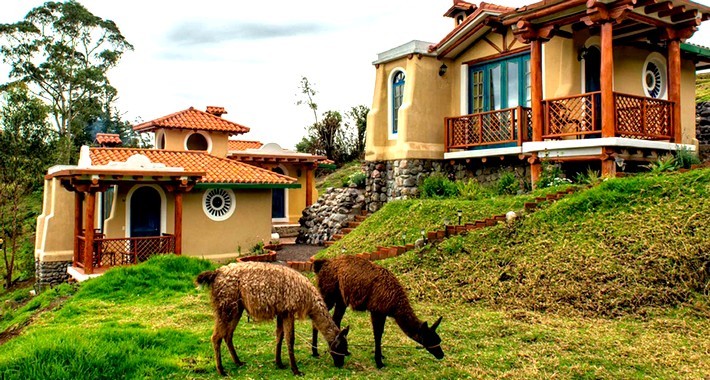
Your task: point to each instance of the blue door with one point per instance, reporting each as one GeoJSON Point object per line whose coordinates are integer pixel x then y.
{"type": "Point", "coordinates": [145, 212]}
{"type": "Point", "coordinates": [278, 200]}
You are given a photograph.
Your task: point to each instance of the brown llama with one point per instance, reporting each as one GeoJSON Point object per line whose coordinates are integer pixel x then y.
{"type": "Point", "coordinates": [358, 283]}
{"type": "Point", "coordinates": [268, 291]}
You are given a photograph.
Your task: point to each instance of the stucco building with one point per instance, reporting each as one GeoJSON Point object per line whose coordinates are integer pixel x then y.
{"type": "Point", "coordinates": [580, 82]}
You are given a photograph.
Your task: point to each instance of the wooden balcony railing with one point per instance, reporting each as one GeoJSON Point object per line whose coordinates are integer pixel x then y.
{"type": "Point", "coordinates": [572, 116]}
{"type": "Point", "coordinates": [125, 251]}
{"type": "Point", "coordinates": [512, 125]}
{"type": "Point", "coordinates": [643, 118]}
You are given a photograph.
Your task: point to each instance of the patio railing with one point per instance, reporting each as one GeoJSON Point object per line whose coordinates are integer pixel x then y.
{"type": "Point", "coordinates": [643, 118]}
{"type": "Point", "coordinates": [507, 126]}
{"type": "Point", "coordinates": [125, 251]}
{"type": "Point", "coordinates": [572, 116]}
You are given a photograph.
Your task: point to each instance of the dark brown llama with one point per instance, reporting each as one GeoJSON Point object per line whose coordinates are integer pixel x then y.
{"type": "Point", "coordinates": [268, 291]}
{"type": "Point", "coordinates": [358, 283]}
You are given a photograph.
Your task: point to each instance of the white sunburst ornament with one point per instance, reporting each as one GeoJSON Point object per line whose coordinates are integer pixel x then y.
{"type": "Point", "coordinates": [218, 204]}
{"type": "Point", "coordinates": [655, 77]}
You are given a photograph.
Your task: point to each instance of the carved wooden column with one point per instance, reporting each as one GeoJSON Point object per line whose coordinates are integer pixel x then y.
{"type": "Point", "coordinates": [674, 79]}
{"type": "Point", "coordinates": [607, 81]}
{"type": "Point", "coordinates": [309, 185]}
{"type": "Point", "coordinates": [78, 221]}
{"type": "Point", "coordinates": [89, 232]}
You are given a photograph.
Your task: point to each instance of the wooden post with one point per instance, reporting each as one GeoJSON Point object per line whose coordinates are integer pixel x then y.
{"type": "Point", "coordinates": [89, 232]}
{"type": "Point", "coordinates": [536, 90]}
{"type": "Point", "coordinates": [178, 222]}
{"type": "Point", "coordinates": [78, 208]}
{"type": "Point", "coordinates": [607, 81]}
{"type": "Point", "coordinates": [608, 168]}
{"type": "Point", "coordinates": [309, 186]}
{"type": "Point", "coordinates": [674, 80]}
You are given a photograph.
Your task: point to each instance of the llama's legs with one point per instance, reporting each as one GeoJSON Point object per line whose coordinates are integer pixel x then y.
{"type": "Point", "coordinates": [339, 313]}
{"type": "Point", "coordinates": [378, 327]}
{"type": "Point", "coordinates": [314, 342]}
{"type": "Point", "coordinates": [229, 334]}
{"type": "Point", "coordinates": [279, 340]}
{"type": "Point", "coordinates": [289, 333]}
{"type": "Point", "coordinates": [217, 336]}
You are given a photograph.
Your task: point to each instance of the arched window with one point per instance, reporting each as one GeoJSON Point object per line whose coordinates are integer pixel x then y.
{"type": "Point", "coordinates": [397, 97]}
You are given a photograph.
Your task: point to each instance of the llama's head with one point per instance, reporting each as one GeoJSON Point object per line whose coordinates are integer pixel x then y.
{"type": "Point", "coordinates": [339, 347]}
{"type": "Point", "coordinates": [430, 339]}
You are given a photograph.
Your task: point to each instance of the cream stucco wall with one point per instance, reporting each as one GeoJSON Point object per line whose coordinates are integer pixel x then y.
{"type": "Point", "coordinates": [249, 224]}
{"type": "Point", "coordinates": [55, 226]}
{"type": "Point", "coordinates": [175, 140]}
{"type": "Point", "coordinates": [426, 101]}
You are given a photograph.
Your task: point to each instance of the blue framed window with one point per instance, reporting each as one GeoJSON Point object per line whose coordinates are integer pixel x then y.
{"type": "Point", "coordinates": [397, 97]}
{"type": "Point", "coordinates": [499, 84]}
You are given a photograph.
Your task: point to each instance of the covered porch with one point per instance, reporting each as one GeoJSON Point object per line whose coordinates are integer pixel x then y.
{"type": "Point", "coordinates": [645, 122]}
{"type": "Point", "coordinates": [93, 251]}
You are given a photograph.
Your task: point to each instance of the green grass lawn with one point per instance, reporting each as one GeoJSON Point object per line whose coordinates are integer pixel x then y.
{"type": "Point", "coordinates": [130, 324]}
{"type": "Point", "coordinates": [336, 178]}
{"type": "Point", "coordinates": [702, 88]}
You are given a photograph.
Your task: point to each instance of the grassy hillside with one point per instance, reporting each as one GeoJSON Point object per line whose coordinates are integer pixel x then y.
{"type": "Point", "coordinates": [623, 247]}
{"type": "Point", "coordinates": [528, 301]}
{"type": "Point", "coordinates": [702, 88]}
{"type": "Point", "coordinates": [336, 178]}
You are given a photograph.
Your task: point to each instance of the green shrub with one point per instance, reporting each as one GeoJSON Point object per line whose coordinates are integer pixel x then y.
{"type": "Point", "coordinates": [685, 158]}
{"type": "Point", "coordinates": [258, 248]}
{"type": "Point", "coordinates": [551, 175]}
{"type": "Point", "coordinates": [358, 179]}
{"type": "Point", "coordinates": [591, 177]}
{"type": "Point", "coordinates": [508, 184]}
{"type": "Point", "coordinates": [665, 163]}
{"type": "Point", "coordinates": [472, 190]}
{"type": "Point", "coordinates": [438, 186]}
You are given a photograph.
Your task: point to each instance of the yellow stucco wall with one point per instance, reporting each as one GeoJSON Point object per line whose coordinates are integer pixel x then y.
{"type": "Point", "coordinates": [421, 119]}
{"type": "Point", "coordinates": [175, 140]}
{"type": "Point", "coordinates": [202, 236]}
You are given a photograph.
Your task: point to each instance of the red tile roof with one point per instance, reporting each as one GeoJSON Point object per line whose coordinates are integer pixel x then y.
{"type": "Point", "coordinates": [483, 7]}
{"type": "Point", "coordinates": [219, 170]}
{"type": "Point", "coordinates": [194, 119]}
{"type": "Point", "coordinates": [108, 138]}
{"type": "Point", "coordinates": [243, 145]}
{"type": "Point", "coordinates": [217, 111]}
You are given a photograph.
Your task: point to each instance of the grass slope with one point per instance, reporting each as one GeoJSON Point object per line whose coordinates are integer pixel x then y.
{"type": "Point", "coordinates": [408, 217]}
{"type": "Point", "coordinates": [336, 178]}
{"type": "Point", "coordinates": [702, 88]}
{"type": "Point", "coordinates": [622, 247]}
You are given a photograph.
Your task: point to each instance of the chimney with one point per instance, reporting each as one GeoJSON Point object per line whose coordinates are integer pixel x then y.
{"type": "Point", "coordinates": [217, 111]}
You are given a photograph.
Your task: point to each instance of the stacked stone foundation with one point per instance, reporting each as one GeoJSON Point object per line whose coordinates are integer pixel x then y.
{"type": "Point", "coordinates": [50, 273]}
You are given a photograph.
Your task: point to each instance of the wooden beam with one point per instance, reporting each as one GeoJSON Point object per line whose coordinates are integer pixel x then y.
{"type": "Point", "coordinates": [178, 222]}
{"type": "Point", "coordinates": [89, 232]}
{"type": "Point", "coordinates": [684, 15]}
{"type": "Point", "coordinates": [536, 89]}
{"type": "Point", "coordinates": [655, 8]}
{"type": "Point", "coordinates": [643, 3]}
{"type": "Point", "coordinates": [674, 75]}
{"type": "Point", "coordinates": [309, 187]}
{"type": "Point", "coordinates": [607, 80]}
{"type": "Point", "coordinates": [546, 11]}
{"type": "Point", "coordinates": [672, 11]}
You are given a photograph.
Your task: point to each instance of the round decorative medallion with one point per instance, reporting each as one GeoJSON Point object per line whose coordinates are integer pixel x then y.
{"type": "Point", "coordinates": [218, 204]}
{"type": "Point", "coordinates": [654, 76]}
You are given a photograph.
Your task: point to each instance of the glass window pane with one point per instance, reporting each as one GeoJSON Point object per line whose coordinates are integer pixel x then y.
{"type": "Point", "coordinates": [528, 92]}
{"type": "Point", "coordinates": [477, 92]}
{"type": "Point", "coordinates": [495, 88]}
{"type": "Point", "coordinates": [513, 84]}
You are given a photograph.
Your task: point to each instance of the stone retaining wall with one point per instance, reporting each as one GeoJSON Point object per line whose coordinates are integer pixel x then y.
{"type": "Point", "coordinates": [332, 212]}
{"type": "Point", "coordinates": [51, 272]}
{"type": "Point", "coordinates": [400, 179]}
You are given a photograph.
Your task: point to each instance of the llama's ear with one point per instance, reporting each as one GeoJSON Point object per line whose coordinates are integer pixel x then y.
{"type": "Point", "coordinates": [425, 326]}
{"type": "Point", "coordinates": [436, 324]}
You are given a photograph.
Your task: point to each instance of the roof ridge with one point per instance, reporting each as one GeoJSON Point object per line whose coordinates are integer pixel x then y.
{"type": "Point", "coordinates": [155, 123]}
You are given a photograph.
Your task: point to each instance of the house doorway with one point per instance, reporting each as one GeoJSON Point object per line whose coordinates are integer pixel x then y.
{"type": "Point", "coordinates": [278, 201]}
{"type": "Point", "coordinates": [145, 211]}
{"type": "Point", "coordinates": [592, 80]}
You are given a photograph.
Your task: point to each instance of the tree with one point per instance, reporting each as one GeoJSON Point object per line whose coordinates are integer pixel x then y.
{"type": "Point", "coordinates": [63, 52]}
{"type": "Point", "coordinates": [308, 91]}
{"type": "Point", "coordinates": [358, 115]}
{"type": "Point", "coordinates": [25, 152]}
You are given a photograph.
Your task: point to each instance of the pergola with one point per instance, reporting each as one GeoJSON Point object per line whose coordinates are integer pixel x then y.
{"type": "Point", "coordinates": [87, 182]}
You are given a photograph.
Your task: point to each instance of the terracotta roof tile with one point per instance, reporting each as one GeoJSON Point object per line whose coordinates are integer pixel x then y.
{"type": "Point", "coordinates": [243, 145]}
{"type": "Point", "coordinates": [108, 138]}
{"type": "Point", "coordinates": [219, 170]}
{"type": "Point", "coordinates": [192, 118]}
{"type": "Point", "coordinates": [482, 7]}
{"type": "Point", "coordinates": [217, 111]}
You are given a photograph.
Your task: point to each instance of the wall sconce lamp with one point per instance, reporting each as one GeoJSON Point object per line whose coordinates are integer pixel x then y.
{"type": "Point", "coordinates": [446, 227]}
{"type": "Point", "coordinates": [298, 172]}
{"type": "Point", "coordinates": [423, 233]}
{"type": "Point", "coordinates": [582, 54]}
{"type": "Point", "coordinates": [459, 214]}
{"type": "Point", "coordinates": [442, 69]}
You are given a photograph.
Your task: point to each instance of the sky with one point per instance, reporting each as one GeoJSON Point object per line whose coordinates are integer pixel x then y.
{"type": "Point", "coordinates": [249, 56]}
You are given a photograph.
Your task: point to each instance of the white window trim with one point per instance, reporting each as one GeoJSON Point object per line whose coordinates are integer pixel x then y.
{"type": "Point", "coordinates": [285, 218]}
{"type": "Point", "coordinates": [163, 207]}
{"type": "Point", "coordinates": [112, 213]}
{"type": "Point", "coordinates": [225, 216]}
{"type": "Point", "coordinates": [390, 102]}
{"type": "Point", "coordinates": [465, 69]}
{"type": "Point", "coordinates": [660, 61]}
{"type": "Point", "coordinates": [205, 135]}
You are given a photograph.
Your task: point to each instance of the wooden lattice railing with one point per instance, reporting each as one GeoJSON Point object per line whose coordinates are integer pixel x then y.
{"type": "Point", "coordinates": [643, 118]}
{"type": "Point", "coordinates": [125, 251]}
{"type": "Point", "coordinates": [512, 125]}
{"type": "Point", "coordinates": [572, 116]}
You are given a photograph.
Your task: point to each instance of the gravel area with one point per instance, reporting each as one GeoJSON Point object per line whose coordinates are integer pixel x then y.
{"type": "Point", "coordinates": [297, 252]}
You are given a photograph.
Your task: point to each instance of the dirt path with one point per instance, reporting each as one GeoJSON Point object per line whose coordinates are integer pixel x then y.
{"type": "Point", "coordinates": [297, 252]}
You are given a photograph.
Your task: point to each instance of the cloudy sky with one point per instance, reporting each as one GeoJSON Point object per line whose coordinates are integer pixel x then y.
{"type": "Point", "coordinates": [249, 56]}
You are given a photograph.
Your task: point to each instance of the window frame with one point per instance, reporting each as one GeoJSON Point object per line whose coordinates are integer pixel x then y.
{"type": "Point", "coordinates": [393, 126]}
